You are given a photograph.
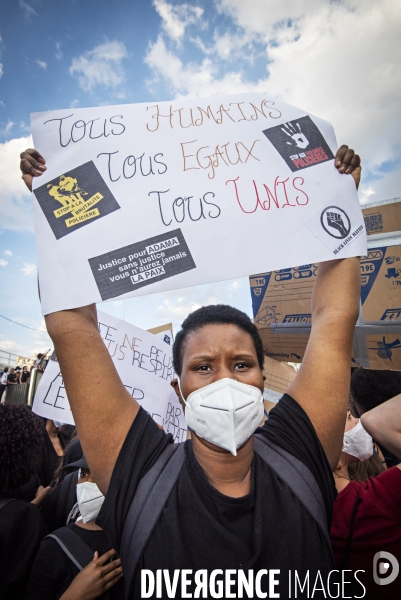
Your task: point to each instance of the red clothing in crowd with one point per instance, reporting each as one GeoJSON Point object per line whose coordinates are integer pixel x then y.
{"type": "Point", "coordinates": [377, 527]}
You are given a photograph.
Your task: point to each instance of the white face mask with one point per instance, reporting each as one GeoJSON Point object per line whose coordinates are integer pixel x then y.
{"type": "Point", "coordinates": [90, 500]}
{"type": "Point", "coordinates": [358, 443]}
{"type": "Point", "coordinates": [225, 413]}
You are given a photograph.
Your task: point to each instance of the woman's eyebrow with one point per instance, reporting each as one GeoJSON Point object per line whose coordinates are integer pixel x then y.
{"type": "Point", "coordinates": [240, 356]}
{"type": "Point", "coordinates": [202, 357]}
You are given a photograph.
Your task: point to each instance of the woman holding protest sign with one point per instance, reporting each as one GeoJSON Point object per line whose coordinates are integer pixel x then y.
{"type": "Point", "coordinates": [232, 517]}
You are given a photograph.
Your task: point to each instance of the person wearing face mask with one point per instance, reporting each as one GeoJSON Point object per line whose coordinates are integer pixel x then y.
{"type": "Point", "coordinates": [366, 515]}
{"type": "Point", "coordinates": [228, 507]}
{"type": "Point", "coordinates": [55, 572]}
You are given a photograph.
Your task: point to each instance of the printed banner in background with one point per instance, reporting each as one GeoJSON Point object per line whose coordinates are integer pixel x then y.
{"type": "Point", "coordinates": [145, 365]}
{"type": "Point", "coordinates": [145, 198]}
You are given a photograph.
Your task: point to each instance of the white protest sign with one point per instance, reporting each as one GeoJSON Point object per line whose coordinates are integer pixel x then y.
{"type": "Point", "coordinates": [144, 364]}
{"type": "Point", "coordinates": [150, 197]}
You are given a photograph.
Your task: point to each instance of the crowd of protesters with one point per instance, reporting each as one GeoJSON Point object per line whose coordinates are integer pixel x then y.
{"type": "Point", "coordinates": [10, 376]}
{"type": "Point", "coordinates": [47, 489]}
{"type": "Point", "coordinates": [312, 494]}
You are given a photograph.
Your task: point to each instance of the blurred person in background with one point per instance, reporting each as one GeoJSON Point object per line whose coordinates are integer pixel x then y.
{"type": "Point", "coordinates": [56, 437]}
{"type": "Point", "coordinates": [25, 375]}
{"type": "Point", "coordinates": [370, 388]}
{"type": "Point", "coordinates": [21, 524]}
{"type": "Point", "coordinates": [372, 467]}
{"type": "Point", "coordinates": [366, 515]}
{"type": "Point", "coordinates": [12, 377]}
{"type": "Point", "coordinates": [54, 575]}
{"type": "Point", "coordinates": [3, 381]}
{"type": "Point", "coordinates": [36, 363]}
{"type": "Point", "coordinates": [58, 508]}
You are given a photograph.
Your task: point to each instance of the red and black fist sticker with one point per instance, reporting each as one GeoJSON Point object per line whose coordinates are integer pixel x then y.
{"type": "Point", "coordinates": [300, 143]}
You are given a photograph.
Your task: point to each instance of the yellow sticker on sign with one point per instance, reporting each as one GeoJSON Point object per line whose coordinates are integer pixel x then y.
{"type": "Point", "coordinates": [83, 217]}
{"type": "Point", "coordinates": [87, 205]}
{"type": "Point", "coordinates": [60, 212]}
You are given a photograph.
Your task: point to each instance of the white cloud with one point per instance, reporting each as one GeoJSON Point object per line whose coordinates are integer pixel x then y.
{"type": "Point", "coordinates": [24, 127]}
{"type": "Point", "coordinates": [176, 311]}
{"type": "Point", "coordinates": [15, 200]}
{"type": "Point", "coordinates": [3, 263]}
{"type": "Point", "coordinates": [191, 79]}
{"type": "Point", "coordinates": [27, 9]}
{"type": "Point", "coordinates": [1, 73]}
{"type": "Point", "coordinates": [337, 60]}
{"type": "Point", "coordinates": [100, 66]}
{"type": "Point", "coordinates": [27, 348]}
{"type": "Point", "coordinates": [176, 18]}
{"type": "Point", "coordinates": [41, 64]}
{"type": "Point", "coordinates": [59, 54]}
{"type": "Point", "coordinates": [365, 194]}
{"type": "Point", "coordinates": [8, 252]}
{"type": "Point", "coordinates": [28, 269]}
{"type": "Point", "coordinates": [7, 129]}
{"type": "Point", "coordinates": [175, 306]}
{"type": "Point", "coordinates": [9, 346]}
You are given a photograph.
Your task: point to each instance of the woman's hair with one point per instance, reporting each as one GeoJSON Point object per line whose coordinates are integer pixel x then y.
{"type": "Point", "coordinates": [62, 463]}
{"type": "Point", "coordinates": [215, 314]}
{"type": "Point", "coordinates": [369, 388]}
{"type": "Point", "coordinates": [361, 471]}
{"type": "Point", "coordinates": [21, 441]}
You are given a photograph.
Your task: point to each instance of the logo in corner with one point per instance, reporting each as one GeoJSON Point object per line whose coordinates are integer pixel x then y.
{"type": "Point", "coordinates": [335, 222]}
{"type": "Point", "coordinates": [385, 563]}
{"type": "Point", "coordinates": [75, 199]}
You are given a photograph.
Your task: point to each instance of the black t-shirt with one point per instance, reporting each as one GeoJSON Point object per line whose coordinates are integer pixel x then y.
{"type": "Point", "coordinates": [11, 378]}
{"type": "Point", "coordinates": [52, 571]}
{"type": "Point", "coordinates": [21, 531]}
{"type": "Point", "coordinates": [200, 528]}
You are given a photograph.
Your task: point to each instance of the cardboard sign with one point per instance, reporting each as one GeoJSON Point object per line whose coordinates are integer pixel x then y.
{"type": "Point", "coordinates": [278, 375]}
{"type": "Point", "coordinates": [383, 218]}
{"type": "Point", "coordinates": [165, 332]}
{"type": "Point", "coordinates": [282, 310]}
{"type": "Point", "coordinates": [144, 364]}
{"type": "Point", "coordinates": [145, 198]}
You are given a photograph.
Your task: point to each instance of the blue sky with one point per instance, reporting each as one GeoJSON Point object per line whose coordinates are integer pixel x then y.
{"type": "Point", "coordinates": [336, 59]}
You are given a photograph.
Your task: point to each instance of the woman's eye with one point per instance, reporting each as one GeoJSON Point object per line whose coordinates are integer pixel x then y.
{"type": "Point", "coordinates": [242, 366]}
{"type": "Point", "coordinates": [203, 368]}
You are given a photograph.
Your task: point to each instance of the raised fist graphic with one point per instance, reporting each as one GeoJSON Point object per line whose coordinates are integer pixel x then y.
{"type": "Point", "coordinates": [295, 133]}
{"type": "Point", "coordinates": [335, 220]}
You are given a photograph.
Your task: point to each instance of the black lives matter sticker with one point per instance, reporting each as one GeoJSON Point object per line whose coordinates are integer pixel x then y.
{"type": "Point", "coordinates": [75, 199]}
{"type": "Point", "coordinates": [143, 263]}
{"type": "Point", "coordinates": [300, 143]}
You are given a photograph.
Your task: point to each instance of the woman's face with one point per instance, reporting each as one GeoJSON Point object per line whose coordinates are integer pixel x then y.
{"type": "Point", "coordinates": [217, 351]}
